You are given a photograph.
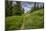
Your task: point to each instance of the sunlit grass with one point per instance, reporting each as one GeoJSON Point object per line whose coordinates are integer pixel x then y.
{"type": "Point", "coordinates": [31, 21]}
{"type": "Point", "coordinates": [34, 20]}
{"type": "Point", "coordinates": [14, 22]}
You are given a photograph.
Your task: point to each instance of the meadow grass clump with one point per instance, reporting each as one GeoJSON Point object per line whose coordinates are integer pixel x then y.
{"type": "Point", "coordinates": [35, 20]}
{"type": "Point", "coordinates": [13, 22]}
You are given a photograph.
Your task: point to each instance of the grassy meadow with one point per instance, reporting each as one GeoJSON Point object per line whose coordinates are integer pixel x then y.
{"type": "Point", "coordinates": [33, 20]}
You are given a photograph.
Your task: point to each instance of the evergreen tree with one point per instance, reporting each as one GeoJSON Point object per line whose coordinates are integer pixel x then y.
{"type": "Point", "coordinates": [8, 8]}
{"type": "Point", "coordinates": [17, 8]}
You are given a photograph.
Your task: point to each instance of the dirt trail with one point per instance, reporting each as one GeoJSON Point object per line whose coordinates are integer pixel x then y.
{"type": "Point", "coordinates": [27, 15]}
{"type": "Point", "coordinates": [22, 27]}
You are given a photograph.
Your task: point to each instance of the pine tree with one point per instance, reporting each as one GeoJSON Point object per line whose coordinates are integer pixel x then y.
{"type": "Point", "coordinates": [17, 8]}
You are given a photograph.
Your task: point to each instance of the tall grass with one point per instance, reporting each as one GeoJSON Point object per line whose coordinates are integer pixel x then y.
{"type": "Point", "coordinates": [14, 22]}
{"type": "Point", "coordinates": [31, 21]}
{"type": "Point", "coordinates": [35, 20]}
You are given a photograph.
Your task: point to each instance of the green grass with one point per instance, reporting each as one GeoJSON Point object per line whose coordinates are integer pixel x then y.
{"type": "Point", "coordinates": [14, 22]}
{"type": "Point", "coordinates": [31, 21]}
{"type": "Point", "coordinates": [34, 20]}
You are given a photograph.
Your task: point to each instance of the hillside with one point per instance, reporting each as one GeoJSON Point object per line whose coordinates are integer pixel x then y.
{"type": "Point", "coordinates": [30, 21]}
{"type": "Point", "coordinates": [34, 20]}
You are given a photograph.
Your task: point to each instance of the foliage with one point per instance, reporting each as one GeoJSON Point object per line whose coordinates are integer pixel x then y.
{"type": "Point", "coordinates": [13, 10]}
{"type": "Point", "coordinates": [35, 20]}
{"type": "Point", "coordinates": [8, 8]}
{"type": "Point", "coordinates": [14, 22]}
{"type": "Point", "coordinates": [32, 21]}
